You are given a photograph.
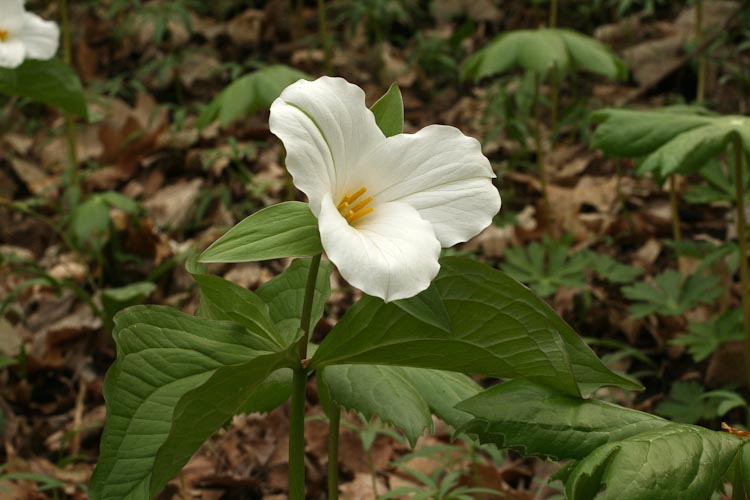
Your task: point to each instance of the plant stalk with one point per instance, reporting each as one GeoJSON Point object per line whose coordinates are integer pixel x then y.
{"type": "Point", "coordinates": [539, 147]}
{"type": "Point", "coordinates": [333, 455]}
{"type": "Point", "coordinates": [70, 129]}
{"type": "Point", "coordinates": [299, 386]}
{"type": "Point", "coordinates": [325, 37]}
{"type": "Point", "coordinates": [701, 85]}
{"type": "Point", "coordinates": [742, 244]}
{"type": "Point", "coordinates": [674, 208]}
{"type": "Point", "coordinates": [553, 14]}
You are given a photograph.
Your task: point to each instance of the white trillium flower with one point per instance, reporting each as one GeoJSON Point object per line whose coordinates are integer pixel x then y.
{"type": "Point", "coordinates": [385, 206]}
{"type": "Point", "coordinates": [24, 35]}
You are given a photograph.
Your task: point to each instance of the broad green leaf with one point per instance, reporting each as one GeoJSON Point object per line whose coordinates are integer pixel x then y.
{"type": "Point", "coordinates": [285, 294]}
{"type": "Point", "coordinates": [116, 299]}
{"type": "Point", "coordinates": [273, 392]}
{"type": "Point", "coordinates": [537, 421]}
{"type": "Point", "coordinates": [224, 300]}
{"type": "Point", "coordinates": [691, 150]}
{"type": "Point", "coordinates": [382, 391]}
{"type": "Point", "coordinates": [541, 51]}
{"type": "Point", "coordinates": [427, 306]}
{"type": "Point", "coordinates": [498, 328]}
{"type": "Point", "coordinates": [625, 132]}
{"type": "Point", "coordinates": [590, 54]}
{"type": "Point", "coordinates": [443, 391]}
{"type": "Point", "coordinates": [176, 380]}
{"type": "Point", "coordinates": [389, 111]}
{"type": "Point", "coordinates": [284, 230]}
{"type": "Point", "coordinates": [682, 141]}
{"type": "Point", "coordinates": [50, 82]}
{"type": "Point", "coordinates": [676, 461]}
{"type": "Point", "coordinates": [250, 94]}
{"type": "Point", "coordinates": [404, 397]}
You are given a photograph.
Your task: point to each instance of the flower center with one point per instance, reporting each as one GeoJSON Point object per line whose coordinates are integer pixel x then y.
{"type": "Point", "coordinates": [353, 210]}
{"type": "Point", "coordinates": [4, 35]}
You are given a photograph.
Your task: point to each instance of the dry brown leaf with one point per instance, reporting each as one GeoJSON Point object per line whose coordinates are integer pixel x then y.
{"type": "Point", "coordinates": [36, 180]}
{"type": "Point", "coordinates": [173, 206]}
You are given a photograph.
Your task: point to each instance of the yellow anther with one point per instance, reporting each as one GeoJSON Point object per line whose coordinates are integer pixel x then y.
{"type": "Point", "coordinates": [358, 215]}
{"type": "Point", "coordinates": [357, 194]}
{"type": "Point", "coordinates": [362, 204]}
{"type": "Point", "coordinates": [4, 36]}
{"type": "Point", "coordinates": [359, 210]}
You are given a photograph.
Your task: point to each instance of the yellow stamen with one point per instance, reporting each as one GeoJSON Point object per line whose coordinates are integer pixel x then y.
{"type": "Point", "coordinates": [357, 211]}
{"type": "Point", "coordinates": [358, 215]}
{"type": "Point", "coordinates": [4, 36]}
{"type": "Point", "coordinates": [362, 204]}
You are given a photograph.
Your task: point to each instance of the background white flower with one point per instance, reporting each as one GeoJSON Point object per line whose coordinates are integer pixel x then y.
{"type": "Point", "coordinates": [385, 206]}
{"type": "Point", "coordinates": [24, 35]}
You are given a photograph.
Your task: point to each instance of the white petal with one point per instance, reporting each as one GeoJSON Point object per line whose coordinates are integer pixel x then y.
{"type": "Point", "coordinates": [441, 173]}
{"type": "Point", "coordinates": [40, 37]}
{"type": "Point", "coordinates": [11, 15]}
{"type": "Point", "coordinates": [12, 53]}
{"type": "Point", "coordinates": [391, 254]}
{"type": "Point", "coordinates": [325, 127]}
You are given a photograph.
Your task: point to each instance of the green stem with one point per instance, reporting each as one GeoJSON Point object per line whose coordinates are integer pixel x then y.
{"type": "Point", "coordinates": [553, 14]}
{"type": "Point", "coordinates": [70, 129]}
{"type": "Point", "coordinates": [554, 91]}
{"type": "Point", "coordinates": [299, 386]}
{"type": "Point", "coordinates": [539, 147]}
{"type": "Point", "coordinates": [333, 455]}
{"type": "Point", "coordinates": [674, 208]}
{"type": "Point", "coordinates": [325, 37]}
{"type": "Point", "coordinates": [701, 86]}
{"type": "Point", "coordinates": [742, 243]}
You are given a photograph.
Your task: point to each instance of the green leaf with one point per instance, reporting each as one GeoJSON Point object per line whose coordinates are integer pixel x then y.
{"type": "Point", "coordinates": [541, 51]}
{"type": "Point", "coordinates": [612, 270]}
{"type": "Point", "coordinates": [443, 391]}
{"type": "Point", "coordinates": [702, 339]}
{"type": "Point", "coordinates": [428, 307]}
{"type": "Point", "coordinates": [89, 224]}
{"type": "Point", "coordinates": [224, 300]}
{"type": "Point", "coordinates": [250, 94]}
{"type": "Point", "coordinates": [389, 111]}
{"type": "Point", "coordinates": [498, 328]}
{"type": "Point", "coordinates": [285, 293]}
{"type": "Point", "coordinates": [673, 141]}
{"type": "Point", "coordinates": [686, 404]}
{"type": "Point", "coordinates": [538, 421]}
{"type": "Point", "coordinates": [116, 299]}
{"type": "Point", "coordinates": [625, 132]}
{"type": "Point", "coordinates": [50, 82]}
{"type": "Point", "coordinates": [546, 267]}
{"type": "Point", "coordinates": [284, 230]}
{"type": "Point", "coordinates": [382, 391]}
{"type": "Point", "coordinates": [403, 397]}
{"type": "Point", "coordinates": [176, 380]}
{"type": "Point", "coordinates": [669, 295]}
{"type": "Point", "coordinates": [677, 461]}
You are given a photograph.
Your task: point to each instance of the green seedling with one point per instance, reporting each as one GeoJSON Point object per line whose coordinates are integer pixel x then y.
{"type": "Point", "coordinates": [671, 294]}
{"type": "Point", "coordinates": [702, 339]}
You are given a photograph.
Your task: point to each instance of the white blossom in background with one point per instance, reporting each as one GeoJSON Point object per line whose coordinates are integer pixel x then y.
{"type": "Point", "coordinates": [24, 35]}
{"type": "Point", "coordinates": [385, 206]}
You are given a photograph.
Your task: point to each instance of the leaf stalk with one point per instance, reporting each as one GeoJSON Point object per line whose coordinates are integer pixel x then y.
{"type": "Point", "coordinates": [742, 244]}
{"type": "Point", "coordinates": [299, 385]}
